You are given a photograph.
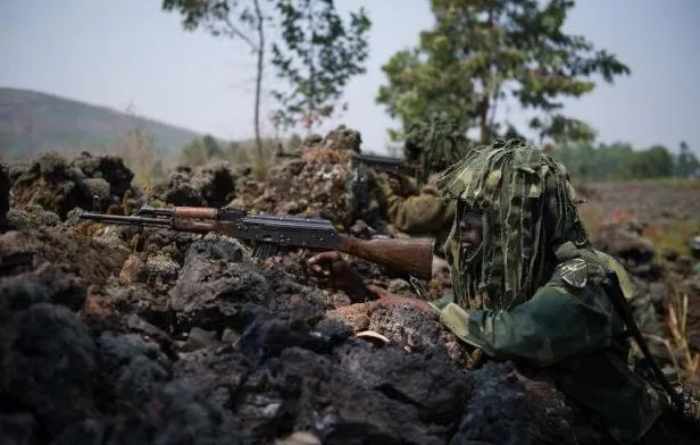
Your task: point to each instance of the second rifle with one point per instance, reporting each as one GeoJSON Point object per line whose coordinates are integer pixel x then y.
{"type": "Point", "coordinates": [269, 232]}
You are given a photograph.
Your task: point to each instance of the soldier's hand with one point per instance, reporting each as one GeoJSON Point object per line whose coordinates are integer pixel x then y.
{"type": "Point", "coordinates": [332, 270]}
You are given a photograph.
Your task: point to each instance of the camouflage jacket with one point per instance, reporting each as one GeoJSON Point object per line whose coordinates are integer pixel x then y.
{"type": "Point", "coordinates": [417, 213]}
{"type": "Point", "coordinates": [570, 326]}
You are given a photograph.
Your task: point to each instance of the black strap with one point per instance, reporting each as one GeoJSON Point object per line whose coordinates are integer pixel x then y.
{"type": "Point", "coordinates": [613, 290]}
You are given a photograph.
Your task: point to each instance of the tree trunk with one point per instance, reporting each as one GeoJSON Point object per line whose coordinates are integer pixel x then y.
{"type": "Point", "coordinates": [311, 113]}
{"type": "Point", "coordinates": [484, 121]}
{"type": "Point", "coordinates": [258, 79]}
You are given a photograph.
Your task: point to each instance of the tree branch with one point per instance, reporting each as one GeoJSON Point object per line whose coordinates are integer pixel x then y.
{"type": "Point", "coordinates": [233, 31]}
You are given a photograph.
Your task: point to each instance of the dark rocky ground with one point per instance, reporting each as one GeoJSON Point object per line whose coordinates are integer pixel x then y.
{"type": "Point", "coordinates": [114, 335]}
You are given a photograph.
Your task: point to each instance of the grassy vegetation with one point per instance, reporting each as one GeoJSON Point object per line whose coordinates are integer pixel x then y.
{"type": "Point", "coordinates": [673, 235]}
{"type": "Point", "coordinates": [688, 362]}
{"type": "Point", "coordinates": [685, 183]}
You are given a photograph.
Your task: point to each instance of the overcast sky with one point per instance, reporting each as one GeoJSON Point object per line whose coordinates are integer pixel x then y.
{"type": "Point", "coordinates": [129, 53]}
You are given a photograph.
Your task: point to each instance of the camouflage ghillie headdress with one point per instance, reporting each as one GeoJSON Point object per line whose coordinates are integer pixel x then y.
{"type": "Point", "coordinates": [527, 206]}
{"type": "Point", "coordinates": [434, 146]}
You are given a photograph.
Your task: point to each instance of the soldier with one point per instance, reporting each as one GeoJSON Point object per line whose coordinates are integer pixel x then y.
{"type": "Point", "coordinates": [528, 286]}
{"type": "Point", "coordinates": [413, 204]}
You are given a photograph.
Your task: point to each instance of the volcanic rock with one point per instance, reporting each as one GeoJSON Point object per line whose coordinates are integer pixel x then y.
{"type": "Point", "coordinates": [32, 216]}
{"type": "Point", "coordinates": [132, 367]}
{"type": "Point", "coordinates": [507, 407]}
{"type": "Point", "coordinates": [5, 185]}
{"type": "Point", "coordinates": [48, 365]}
{"type": "Point", "coordinates": [212, 185]}
{"type": "Point", "coordinates": [89, 183]}
{"type": "Point", "coordinates": [111, 169]}
{"type": "Point", "coordinates": [417, 331]}
{"type": "Point", "coordinates": [342, 138]}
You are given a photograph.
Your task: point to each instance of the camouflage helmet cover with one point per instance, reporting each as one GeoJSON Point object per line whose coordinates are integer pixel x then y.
{"type": "Point", "coordinates": [433, 146]}
{"type": "Point", "coordinates": [527, 205]}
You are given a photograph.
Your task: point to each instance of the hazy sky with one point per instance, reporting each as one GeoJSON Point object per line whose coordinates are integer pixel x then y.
{"type": "Point", "coordinates": [130, 53]}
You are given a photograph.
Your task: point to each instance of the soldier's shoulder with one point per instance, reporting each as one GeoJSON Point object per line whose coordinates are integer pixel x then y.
{"type": "Point", "coordinates": [578, 273]}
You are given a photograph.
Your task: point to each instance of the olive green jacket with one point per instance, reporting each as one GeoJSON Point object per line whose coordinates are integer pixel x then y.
{"type": "Point", "coordinates": [418, 213]}
{"type": "Point", "coordinates": [571, 326]}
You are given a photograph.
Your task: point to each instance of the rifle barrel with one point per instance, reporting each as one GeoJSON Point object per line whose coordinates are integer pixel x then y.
{"type": "Point", "coordinates": [125, 220]}
{"type": "Point", "coordinates": [156, 212]}
{"type": "Point", "coordinates": [209, 213]}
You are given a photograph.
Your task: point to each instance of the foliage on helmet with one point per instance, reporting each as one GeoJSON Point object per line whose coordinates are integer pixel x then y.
{"type": "Point", "coordinates": [528, 208]}
{"type": "Point", "coordinates": [433, 146]}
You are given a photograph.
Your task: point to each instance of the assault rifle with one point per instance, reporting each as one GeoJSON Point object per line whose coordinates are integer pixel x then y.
{"type": "Point", "coordinates": [269, 232]}
{"type": "Point", "coordinates": [383, 163]}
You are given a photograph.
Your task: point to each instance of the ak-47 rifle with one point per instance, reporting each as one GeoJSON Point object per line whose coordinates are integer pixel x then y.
{"type": "Point", "coordinates": [383, 163]}
{"type": "Point", "coordinates": [268, 232]}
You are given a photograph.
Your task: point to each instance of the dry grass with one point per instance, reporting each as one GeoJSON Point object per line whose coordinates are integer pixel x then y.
{"type": "Point", "coordinates": [138, 151]}
{"type": "Point", "coordinates": [677, 323]}
{"type": "Point", "coordinates": [261, 166]}
{"type": "Point", "coordinates": [673, 235]}
{"type": "Point", "coordinates": [260, 163]}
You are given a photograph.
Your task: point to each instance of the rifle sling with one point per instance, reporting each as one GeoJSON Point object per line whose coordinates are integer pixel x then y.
{"type": "Point", "coordinates": [612, 288]}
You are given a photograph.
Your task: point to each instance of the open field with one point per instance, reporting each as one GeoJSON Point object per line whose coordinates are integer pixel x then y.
{"type": "Point", "coordinates": [668, 210]}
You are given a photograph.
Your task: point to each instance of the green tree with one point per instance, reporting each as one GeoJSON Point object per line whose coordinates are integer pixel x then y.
{"type": "Point", "coordinates": [686, 163]}
{"type": "Point", "coordinates": [481, 52]}
{"type": "Point", "coordinates": [615, 161]}
{"type": "Point", "coordinates": [200, 151]}
{"type": "Point", "coordinates": [655, 162]}
{"type": "Point", "coordinates": [211, 147]}
{"type": "Point", "coordinates": [317, 55]}
{"type": "Point", "coordinates": [242, 20]}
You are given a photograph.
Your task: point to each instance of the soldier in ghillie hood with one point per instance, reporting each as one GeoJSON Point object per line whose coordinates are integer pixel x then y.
{"type": "Point", "coordinates": [413, 204]}
{"type": "Point", "coordinates": [528, 286]}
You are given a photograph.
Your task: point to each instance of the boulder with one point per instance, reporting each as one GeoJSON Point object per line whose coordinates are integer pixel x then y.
{"type": "Point", "coordinates": [212, 185]}
{"type": "Point", "coordinates": [132, 368]}
{"type": "Point", "coordinates": [91, 183]}
{"type": "Point", "coordinates": [111, 169]}
{"type": "Point", "coordinates": [215, 284]}
{"type": "Point", "coordinates": [507, 407]}
{"type": "Point", "coordinates": [5, 185]}
{"type": "Point", "coordinates": [49, 365]}
{"type": "Point", "coordinates": [52, 184]}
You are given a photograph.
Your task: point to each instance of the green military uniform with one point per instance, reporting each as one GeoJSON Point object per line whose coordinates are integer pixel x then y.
{"type": "Point", "coordinates": [413, 205]}
{"type": "Point", "coordinates": [420, 214]}
{"type": "Point", "coordinates": [571, 326]}
{"type": "Point", "coordinates": [534, 290]}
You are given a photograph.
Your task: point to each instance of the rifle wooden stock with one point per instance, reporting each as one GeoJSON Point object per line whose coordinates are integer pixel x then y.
{"type": "Point", "coordinates": [414, 256]}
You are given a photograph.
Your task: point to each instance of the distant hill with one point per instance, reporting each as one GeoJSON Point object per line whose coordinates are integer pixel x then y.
{"type": "Point", "coordinates": [31, 122]}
